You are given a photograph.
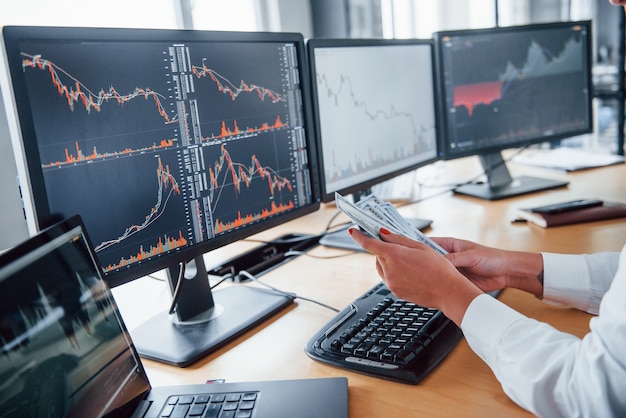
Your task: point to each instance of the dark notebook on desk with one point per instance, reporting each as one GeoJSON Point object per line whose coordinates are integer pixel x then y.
{"type": "Point", "coordinates": [66, 350]}
{"type": "Point", "coordinates": [605, 211]}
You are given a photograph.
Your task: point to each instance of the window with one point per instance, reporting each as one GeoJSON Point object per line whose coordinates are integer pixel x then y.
{"type": "Point", "coordinates": [164, 14]}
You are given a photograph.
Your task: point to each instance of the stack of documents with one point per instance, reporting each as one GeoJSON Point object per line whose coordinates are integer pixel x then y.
{"type": "Point", "coordinates": [567, 159]}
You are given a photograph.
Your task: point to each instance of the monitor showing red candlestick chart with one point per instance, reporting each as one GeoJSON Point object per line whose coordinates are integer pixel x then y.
{"type": "Point", "coordinates": [168, 143]}
{"type": "Point", "coordinates": [508, 87]}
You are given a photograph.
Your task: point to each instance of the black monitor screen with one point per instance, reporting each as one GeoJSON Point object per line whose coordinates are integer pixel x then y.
{"type": "Point", "coordinates": [376, 110]}
{"type": "Point", "coordinates": [169, 144]}
{"type": "Point", "coordinates": [509, 86]}
{"type": "Point", "coordinates": [162, 140]}
{"type": "Point", "coordinates": [514, 86]}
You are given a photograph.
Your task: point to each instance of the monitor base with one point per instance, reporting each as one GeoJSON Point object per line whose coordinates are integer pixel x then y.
{"type": "Point", "coordinates": [519, 186]}
{"type": "Point", "coordinates": [243, 307]}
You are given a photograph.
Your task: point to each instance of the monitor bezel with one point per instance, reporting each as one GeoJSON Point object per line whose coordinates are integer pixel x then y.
{"type": "Point", "coordinates": [33, 183]}
{"type": "Point", "coordinates": [446, 152]}
{"type": "Point", "coordinates": [312, 45]}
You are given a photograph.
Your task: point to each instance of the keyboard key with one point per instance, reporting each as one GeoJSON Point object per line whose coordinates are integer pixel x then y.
{"type": "Point", "coordinates": [213, 410]}
{"type": "Point", "coordinates": [233, 397]}
{"type": "Point", "coordinates": [167, 411]}
{"type": "Point", "coordinates": [196, 410]}
{"type": "Point", "coordinates": [251, 396]}
{"type": "Point", "coordinates": [246, 405]}
{"type": "Point", "coordinates": [180, 411]}
{"type": "Point", "coordinates": [221, 405]}
{"type": "Point", "coordinates": [185, 400]}
{"type": "Point", "coordinates": [218, 398]}
{"type": "Point", "coordinates": [230, 406]}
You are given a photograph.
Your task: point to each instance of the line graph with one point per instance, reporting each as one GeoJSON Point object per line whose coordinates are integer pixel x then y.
{"type": "Point", "coordinates": [233, 185]}
{"type": "Point", "coordinates": [242, 174]}
{"type": "Point", "coordinates": [225, 86]}
{"type": "Point", "coordinates": [500, 94]}
{"type": "Point", "coordinates": [217, 123]}
{"type": "Point", "coordinates": [334, 93]}
{"type": "Point", "coordinates": [539, 61]}
{"type": "Point", "coordinates": [167, 186]}
{"type": "Point", "coordinates": [370, 124]}
{"type": "Point", "coordinates": [80, 94]}
{"type": "Point", "coordinates": [83, 95]}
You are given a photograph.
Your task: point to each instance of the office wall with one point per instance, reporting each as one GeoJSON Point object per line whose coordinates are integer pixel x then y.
{"type": "Point", "coordinates": [295, 16]}
{"type": "Point", "coordinates": [12, 223]}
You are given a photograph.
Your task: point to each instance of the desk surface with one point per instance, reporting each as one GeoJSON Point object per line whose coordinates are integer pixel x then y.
{"type": "Point", "coordinates": [462, 385]}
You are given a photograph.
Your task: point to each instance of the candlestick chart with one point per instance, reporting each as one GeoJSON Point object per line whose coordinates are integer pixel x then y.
{"type": "Point", "coordinates": [243, 183]}
{"type": "Point", "coordinates": [225, 86]}
{"type": "Point", "coordinates": [172, 144]}
{"type": "Point", "coordinates": [82, 95]}
{"type": "Point", "coordinates": [167, 186]}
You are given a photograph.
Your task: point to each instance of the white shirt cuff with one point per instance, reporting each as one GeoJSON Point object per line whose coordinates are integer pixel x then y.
{"type": "Point", "coordinates": [484, 323]}
{"type": "Point", "coordinates": [566, 281]}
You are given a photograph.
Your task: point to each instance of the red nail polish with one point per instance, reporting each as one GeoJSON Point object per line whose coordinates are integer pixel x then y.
{"type": "Point", "coordinates": [350, 231]}
{"type": "Point", "coordinates": [385, 231]}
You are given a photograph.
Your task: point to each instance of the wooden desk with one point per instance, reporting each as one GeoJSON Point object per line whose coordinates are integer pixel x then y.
{"type": "Point", "coordinates": [462, 385]}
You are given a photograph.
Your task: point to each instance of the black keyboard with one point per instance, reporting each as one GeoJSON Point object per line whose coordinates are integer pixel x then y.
{"type": "Point", "coordinates": [381, 335]}
{"type": "Point", "coordinates": [238, 405]}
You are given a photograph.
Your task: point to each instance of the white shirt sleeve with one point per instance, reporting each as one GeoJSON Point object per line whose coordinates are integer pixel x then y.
{"type": "Point", "coordinates": [552, 373]}
{"type": "Point", "coordinates": [579, 281]}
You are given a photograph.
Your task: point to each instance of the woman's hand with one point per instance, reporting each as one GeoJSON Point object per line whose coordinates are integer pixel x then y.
{"type": "Point", "coordinates": [416, 273]}
{"type": "Point", "coordinates": [493, 269]}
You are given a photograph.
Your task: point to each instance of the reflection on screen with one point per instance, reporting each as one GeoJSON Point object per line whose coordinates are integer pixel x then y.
{"type": "Point", "coordinates": [64, 349]}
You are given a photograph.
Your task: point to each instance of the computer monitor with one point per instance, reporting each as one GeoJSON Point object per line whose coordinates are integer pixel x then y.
{"type": "Point", "coordinates": [374, 102]}
{"type": "Point", "coordinates": [509, 87]}
{"type": "Point", "coordinates": [376, 111]}
{"type": "Point", "coordinates": [169, 144]}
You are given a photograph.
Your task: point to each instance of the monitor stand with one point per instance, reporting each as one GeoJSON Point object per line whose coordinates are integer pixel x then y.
{"type": "Point", "coordinates": [500, 184]}
{"type": "Point", "coordinates": [205, 320]}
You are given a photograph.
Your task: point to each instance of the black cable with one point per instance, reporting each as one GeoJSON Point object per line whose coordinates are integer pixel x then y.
{"type": "Point", "coordinates": [486, 172]}
{"type": "Point", "coordinates": [325, 257]}
{"type": "Point", "coordinates": [282, 292]}
{"type": "Point", "coordinates": [294, 240]}
{"type": "Point", "coordinates": [222, 280]}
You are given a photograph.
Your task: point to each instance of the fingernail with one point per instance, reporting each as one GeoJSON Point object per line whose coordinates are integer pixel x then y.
{"type": "Point", "coordinates": [385, 231]}
{"type": "Point", "coordinates": [350, 231]}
